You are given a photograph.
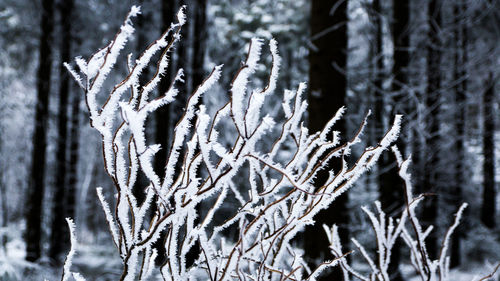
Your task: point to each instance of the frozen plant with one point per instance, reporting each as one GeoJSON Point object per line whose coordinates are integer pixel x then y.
{"type": "Point", "coordinates": [277, 202]}
{"type": "Point", "coordinates": [387, 231]}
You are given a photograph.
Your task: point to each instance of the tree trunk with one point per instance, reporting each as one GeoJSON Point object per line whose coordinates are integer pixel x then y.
{"type": "Point", "coordinates": [197, 77]}
{"type": "Point", "coordinates": [488, 208]}
{"type": "Point", "coordinates": [327, 92]}
{"type": "Point", "coordinates": [74, 145]}
{"type": "Point", "coordinates": [59, 236]}
{"type": "Point", "coordinates": [378, 70]}
{"type": "Point", "coordinates": [183, 62]}
{"type": "Point", "coordinates": [199, 43]}
{"type": "Point", "coordinates": [433, 104]}
{"type": "Point", "coordinates": [391, 187]}
{"type": "Point", "coordinates": [459, 73]}
{"type": "Point", "coordinates": [142, 181]}
{"type": "Point", "coordinates": [162, 115]}
{"type": "Point", "coordinates": [36, 184]}
{"type": "Point", "coordinates": [4, 209]}
{"type": "Point", "coordinates": [177, 106]}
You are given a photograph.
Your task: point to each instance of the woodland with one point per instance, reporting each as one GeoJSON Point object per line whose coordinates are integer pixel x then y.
{"type": "Point", "coordinates": [249, 140]}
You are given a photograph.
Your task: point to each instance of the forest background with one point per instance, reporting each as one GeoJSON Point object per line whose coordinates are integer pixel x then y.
{"type": "Point", "coordinates": [434, 61]}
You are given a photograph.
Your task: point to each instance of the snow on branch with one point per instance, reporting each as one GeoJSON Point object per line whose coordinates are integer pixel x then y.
{"type": "Point", "coordinates": [202, 194]}
{"type": "Point", "coordinates": [69, 258]}
{"type": "Point", "coordinates": [387, 230]}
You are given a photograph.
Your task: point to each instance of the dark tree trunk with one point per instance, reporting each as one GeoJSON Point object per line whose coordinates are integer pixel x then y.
{"type": "Point", "coordinates": [197, 66]}
{"type": "Point", "coordinates": [390, 184]}
{"type": "Point", "coordinates": [37, 175]}
{"type": "Point", "coordinates": [183, 62]}
{"type": "Point", "coordinates": [162, 115]}
{"type": "Point", "coordinates": [177, 107]}
{"type": "Point", "coordinates": [4, 208]}
{"type": "Point", "coordinates": [488, 208]}
{"type": "Point", "coordinates": [92, 218]}
{"type": "Point", "coordinates": [141, 44]}
{"type": "Point", "coordinates": [400, 82]}
{"type": "Point", "coordinates": [433, 105]}
{"type": "Point", "coordinates": [74, 145]}
{"type": "Point", "coordinates": [199, 42]}
{"type": "Point", "coordinates": [459, 74]}
{"type": "Point", "coordinates": [378, 70]}
{"type": "Point", "coordinates": [327, 92]}
{"type": "Point", "coordinates": [59, 236]}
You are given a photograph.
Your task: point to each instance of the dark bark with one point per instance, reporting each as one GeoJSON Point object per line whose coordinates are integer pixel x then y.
{"type": "Point", "coordinates": [162, 115]}
{"type": "Point", "coordinates": [459, 74]}
{"type": "Point", "coordinates": [488, 207]}
{"type": "Point", "coordinates": [390, 184]}
{"type": "Point", "coordinates": [36, 184]}
{"type": "Point", "coordinates": [182, 62]}
{"type": "Point", "coordinates": [378, 70]}
{"type": "Point", "coordinates": [199, 42]}
{"type": "Point", "coordinates": [433, 105]}
{"type": "Point", "coordinates": [74, 145]}
{"type": "Point", "coordinates": [290, 64]}
{"type": "Point", "coordinates": [327, 92]}
{"type": "Point", "coordinates": [4, 207]}
{"type": "Point", "coordinates": [92, 218]}
{"type": "Point", "coordinates": [176, 108]}
{"type": "Point", "coordinates": [198, 75]}
{"type": "Point", "coordinates": [59, 238]}
{"type": "Point", "coordinates": [141, 44]}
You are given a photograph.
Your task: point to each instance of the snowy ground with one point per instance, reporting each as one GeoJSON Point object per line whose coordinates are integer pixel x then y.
{"type": "Point", "coordinates": [101, 263]}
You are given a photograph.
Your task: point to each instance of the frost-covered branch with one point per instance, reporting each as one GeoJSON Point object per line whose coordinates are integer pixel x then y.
{"type": "Point", "coordinates": [69, 258]}
{"type": "Point", "coordinates": [203, 171]}
{"type": "Point", "coordinates": [388, 230]}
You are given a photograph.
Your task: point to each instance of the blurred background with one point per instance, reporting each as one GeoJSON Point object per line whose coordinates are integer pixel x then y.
{"type": "Point", "coordinates": [434, 61]}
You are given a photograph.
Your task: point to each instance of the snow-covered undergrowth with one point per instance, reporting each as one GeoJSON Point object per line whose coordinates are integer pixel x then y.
{"type": "Point", "coordinates": [278, 200]}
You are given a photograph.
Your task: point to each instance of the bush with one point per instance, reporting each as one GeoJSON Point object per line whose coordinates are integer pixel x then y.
{"type": "Point", "coordinates": [277, 202]}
